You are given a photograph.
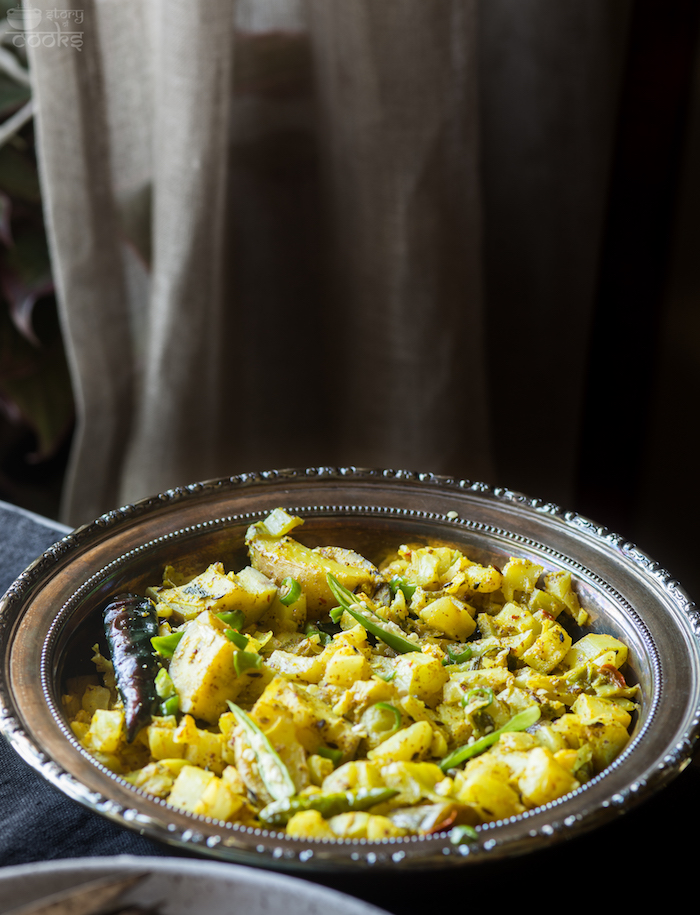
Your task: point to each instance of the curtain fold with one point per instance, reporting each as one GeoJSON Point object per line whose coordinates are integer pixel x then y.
{"type": "Point", "coordinates": [399, 137]}
{"type": "Point", "coordinates": [301, 232]}
{"type": "Point", "coordinates": [75, 161]}
{"type": "Point", "coordinates": [177, 417]}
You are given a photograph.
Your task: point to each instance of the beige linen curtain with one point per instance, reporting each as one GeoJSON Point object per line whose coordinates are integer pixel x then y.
{"type": "Point", "coordinates": [302, 232]}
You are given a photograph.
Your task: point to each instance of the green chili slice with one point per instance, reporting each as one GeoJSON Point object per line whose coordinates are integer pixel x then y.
{"type": "Point", "coordinates": [170, 706]}
{"type": "Point", "coordinates": [519, 722]}
{"type": "Point", "coordinates": [330, 753]}
{"type": "Point", "coordinates": [165, 688]}
{"type": "Point", "coordinates": [240, 641]}
{"type": "Point", "coordinates": [246, 660]}
{"type": "Point", "coordinates": [388, 707]}
{"type": "Point", "coordinates": [165, 645]}
{"type": "Point", "coordinates": [233, 618]}
{"type": "Point", "coordinates": [328, 804]}
{"type": "Point", "coordinates": [397, 583]}
{"type": "Point", "coordinates": [459, 835]}
{"type": "Point", "coordinates": [273, 772]}
{"type": "Point", "coordinates": [290, 591]}
{"type": "Point", "coordinates": [325, 638]}
{"type": "Point", "coordinates": [485, 693]}
{"type": "Point", "coordinates": [457, 657]}
{"type": "Point", "coordinates": [387, 678]}
{"type": "Point", "coordinates": [348, 602]}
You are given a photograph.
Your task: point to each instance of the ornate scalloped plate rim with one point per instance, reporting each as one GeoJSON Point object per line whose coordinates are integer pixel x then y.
{"type": "Point", "coordinates": [260, 847]}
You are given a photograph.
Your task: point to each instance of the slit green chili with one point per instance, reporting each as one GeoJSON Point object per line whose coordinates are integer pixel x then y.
{"type": "Point", "coordinates": [348, 602]}
{"type": "Point", "coordinates": [519, 722]}
{"type": "Point", "coordinates": [273, 772]}
{"type": "Point", "coordinates": [328, 805]}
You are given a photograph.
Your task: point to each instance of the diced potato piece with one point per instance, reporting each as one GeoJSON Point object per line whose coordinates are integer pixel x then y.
{"type": "Point", "coordinates": [346, 665]}
{"type": "Point", "coordinates": [461, 681]}
{"type": "Point", "coordinates": [188, 787]}
{"type": "Point", "coordinates": [106, 730]}
{"type": "Point", "coordinates": [320, 767]}
{"type": "Point", "coordinates": [205, 751]}
{"type": "Point", "coordinates": [362, 694]}
{"type": "Point", "coordinates": [544, 600]}
{"type": "Point", "coordinates": [202, 669]}
{"type": "Point", "coordinates": [279, 522]}
{"type": "Point", "coordinates": [285, 617]}
{"type": "Point", "coordinates": [602, 726]}
{"type": "Point", "coordinates": [544, 779]}
{"type": "Point", "coordinates": [201, 792]}
{"type": "Point", "coordinates": [410, 744]}
{"type": "Point", "coordinates": [519, 575]}
{"type": "Point", "coordinates": [363, 825]}
{"type": "Point", "coordinates": [255, 593]}
{"type": "Point", "coordinates": [219, 802]}
{"type": "Point", "coordinates": [94, 698]}
{"type": "Point", "coordinates": [459, 727]}
{"type": "Point", "coordinates": [157, 777]}
{"type": "Point", "coordinates": [163, 744]}
{"type": "Point", "coordinates": [212, 590]}
{"type": "Point", "coordinates": [415, 782]}
{"type": "Point", "coordinates": [309, 669]}
{"type": "Point", "coordinates": [606, 740]}
{"type": "Point", "coordinates": [315, 722]}
{"type": "Point", "coordinates": [594, 645]}
{"type": "Point", "coordinates": [420, 675]}
{"type": "Point", "coordinates": [359, 773]}
{"type": "Point", "coordinates": [514, 618]}
{"type": "Point", "coordinates": [279, 558]}
{"type": "Point", "coordinates": [232, 779]}
{"type": "Point", "coordinates": [449, 616]}
{"type": "Point", "coordinates": [595, 708]}
{"type": "Point", "coordinates": [80, 729]}
{"type": "Point", "coordinates": [484, 579]}
{"type": "Point", "coordinates": [490, 795]}
{"type": "Point", "coordinates": [425, 567]}
{"type": "Point", "coordinates": [309, 824]}
{"type": "Point", "coordinates": [549, 649]}
{"type": "Point", "coordinates": [559, 584]}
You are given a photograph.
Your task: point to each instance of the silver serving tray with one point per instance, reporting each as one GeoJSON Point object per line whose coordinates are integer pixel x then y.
{"type": "Point", "coordinates": [49, 616]}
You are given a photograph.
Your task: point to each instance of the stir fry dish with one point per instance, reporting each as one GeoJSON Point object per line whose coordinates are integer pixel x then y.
{"type": "Point", "coordinates": [318, 694]}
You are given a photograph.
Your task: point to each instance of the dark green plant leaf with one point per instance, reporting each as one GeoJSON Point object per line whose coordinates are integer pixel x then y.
{"type": "Point", "coordinates": [18, 175]}
{"type": "Point", "coordinates": [12, 96]}
{"type": "Point", "coordinates": [25, 277]}
{"type": "Point", "coordinates": [35, 385]}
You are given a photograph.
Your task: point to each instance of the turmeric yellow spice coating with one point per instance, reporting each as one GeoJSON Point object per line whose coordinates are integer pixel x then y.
{"type": "Point", "coordinates": [317, 694]}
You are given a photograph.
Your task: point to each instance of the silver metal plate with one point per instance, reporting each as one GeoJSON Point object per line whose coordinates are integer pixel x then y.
{"type": "Point", "coordinates": [49, 616]}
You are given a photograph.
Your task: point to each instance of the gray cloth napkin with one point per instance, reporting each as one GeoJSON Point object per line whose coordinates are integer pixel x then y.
{"type": "Point", "coordinates": [37, 822]}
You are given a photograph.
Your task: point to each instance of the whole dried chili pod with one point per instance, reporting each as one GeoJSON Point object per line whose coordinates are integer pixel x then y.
{"type": "Point", "coordinates": [130, 622]}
